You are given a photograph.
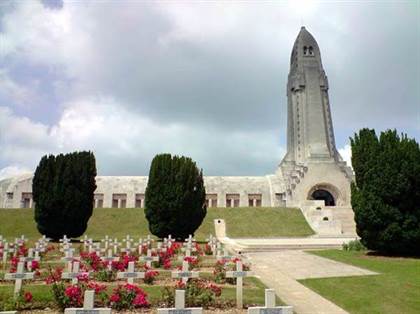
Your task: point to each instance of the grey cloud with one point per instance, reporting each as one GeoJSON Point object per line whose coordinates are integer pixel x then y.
{"type": "Point", "coordinates": [230, 77]}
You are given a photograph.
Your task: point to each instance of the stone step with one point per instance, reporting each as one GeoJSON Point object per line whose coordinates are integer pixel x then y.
{"type": "Point", "coordinates": [273, 248]}
{"type": "Point", "coordinates": [269, 245]}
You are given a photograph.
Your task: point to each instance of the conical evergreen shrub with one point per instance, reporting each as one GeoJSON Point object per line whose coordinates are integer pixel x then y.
{"type": "Point", "coordinates": [63, 188]}
{"type": "Point", "coordinates": [175, 197]}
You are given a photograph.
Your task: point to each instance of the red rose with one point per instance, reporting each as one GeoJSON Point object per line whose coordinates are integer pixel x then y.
{"type": "Point", "coordinates": [115, 298]}
{"type": "Point", "coordinates": [28, 296]}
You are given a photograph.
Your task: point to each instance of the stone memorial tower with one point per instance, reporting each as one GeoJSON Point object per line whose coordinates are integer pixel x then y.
{"type": "Point", "coordinates": [312, 168]}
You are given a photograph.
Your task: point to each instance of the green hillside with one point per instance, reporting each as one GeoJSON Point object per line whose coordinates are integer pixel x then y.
{"type": "Point", "coordinates": [241, 222]}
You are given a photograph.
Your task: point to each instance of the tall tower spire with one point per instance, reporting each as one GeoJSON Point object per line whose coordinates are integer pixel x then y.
{"type": "Point", "coordinates": [312, 167]}
{"type": "Point", "coordinates": [310, 133]}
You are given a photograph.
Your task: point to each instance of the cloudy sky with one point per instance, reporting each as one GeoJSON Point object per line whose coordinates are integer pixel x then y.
{"type": "Point", "coordinates": [131, 79]}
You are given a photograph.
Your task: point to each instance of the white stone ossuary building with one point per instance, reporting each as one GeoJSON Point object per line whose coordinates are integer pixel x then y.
{"type": "Point", "coordinates": [312, 168]}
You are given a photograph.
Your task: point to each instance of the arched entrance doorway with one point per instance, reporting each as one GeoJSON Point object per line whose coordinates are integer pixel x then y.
{"type": "Point", "coordinates": [324, 192]}
{"type": "Point", "coordinates": [323, 195]}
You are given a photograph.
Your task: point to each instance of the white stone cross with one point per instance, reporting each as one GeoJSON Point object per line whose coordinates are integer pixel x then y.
{"type": "Point", "coordinates": [106, 241]}
{"type": "Point", "coordinates": [64, 240]}
{"type": "Point", "coordinates": [213, 245]}
{"type": "Point", "coordinates": [88, 306]}
{"type": "Point", "coordinates": [18, 277]}
{"type": "Point", "coordinates": [66, 247]}
{"type": "Point", "coordinates": [184, 274]}
{"type": "Point", "coordinates": [187, 249]}
{"type": "Point", "coordinates": [68, 258]}
{"type": "Point", "coordinates": [168, 241]}
{"type": "Point", "coordinates": [29, 258]}
{"type": "Point", "coordinates": [190, 239]}
{"type": "Point", "coordinates": [21, 241]}
{"type": "Point", "coordinates": [149, 258]}
{"type": "Point", "coordinates": [239, 274]}
{"type": "Point", "coordinates": [39, 247]}
{"type": "Point", "coordinates": [149, 241]}
{"type": "Point", "coordinates": [74, 274]}
{"type": "Point", "coordinates": [44, 239]}
{"type": "Point", "coordinates": [270, 305]}
{"type": "Point", "coordinates": [130, 274]}
{"type": "Point", "coordinates": [6, 251]}
{"type": "Point", "coordinates": [85, 241]}
{"type": "Point", "coordinates": [110, 258]}
{"type": "Point", "coordinates": [127, 239]}
{"type": "Point", "coordinates": [115, 245]}
{"type": "Point", "coordinates": [128, 249]}
{"type": "Point", "coordinates": [97, 249]}
{"type": "Point", "coordinates": [180, 306]}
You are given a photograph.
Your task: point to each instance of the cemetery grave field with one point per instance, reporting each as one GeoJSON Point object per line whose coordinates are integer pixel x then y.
{"type": "Point", "coordinates": [395, 290]}
{"type": "Point", "coordinates": [137, 274]}
{"type": "Point", "coordinates": [241, 222]}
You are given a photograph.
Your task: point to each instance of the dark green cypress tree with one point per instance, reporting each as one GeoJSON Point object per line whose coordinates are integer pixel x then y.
{"type": "Point", "coordinates": [386, 195]}
{"type": "Point", "coordinates": [63, 188]}
{"type": "Point", "coordinates": [175, 196]}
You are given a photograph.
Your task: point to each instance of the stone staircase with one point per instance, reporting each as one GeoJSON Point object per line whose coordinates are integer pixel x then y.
{"type": "Point", "coordinates": [329, 221]}
{"type": "Point", "coordinates": [346, 216]}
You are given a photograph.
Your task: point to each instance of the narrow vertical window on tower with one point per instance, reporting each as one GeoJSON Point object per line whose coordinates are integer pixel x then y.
{"type": "Point", "coordinates": [311, 51]}
{"type": "Point", "coordinates": [305, 51]}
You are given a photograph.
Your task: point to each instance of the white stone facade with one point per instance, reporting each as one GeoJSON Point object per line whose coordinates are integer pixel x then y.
{"type": "Point", "coordinates": [311, 169]}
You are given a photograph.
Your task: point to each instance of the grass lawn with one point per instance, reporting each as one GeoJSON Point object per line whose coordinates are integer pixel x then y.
{"type": "Point", "coordinates": [395, 290]}
{"type": "Point", "coordinates": [241, 222]}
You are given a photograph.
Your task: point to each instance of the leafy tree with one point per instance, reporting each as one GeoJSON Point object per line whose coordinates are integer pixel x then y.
{"type": "Point", "coordinates": [175, 196]}
{"type": "Point", "coordinates": [63, 189]}
{"type": "Point", "coordinates": [386, 194]}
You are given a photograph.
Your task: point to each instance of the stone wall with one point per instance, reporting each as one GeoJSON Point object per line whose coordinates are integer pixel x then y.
{"type": "Point", "coordinates": [261, 188]}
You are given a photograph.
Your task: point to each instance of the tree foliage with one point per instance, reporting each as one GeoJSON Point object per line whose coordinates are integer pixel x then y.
{"type": "Point", "coordinates": [62, 190]}
{"type": "Point", "coordinates": [175, 196]}
{"type": "Point", "coordinates": [386, 193]}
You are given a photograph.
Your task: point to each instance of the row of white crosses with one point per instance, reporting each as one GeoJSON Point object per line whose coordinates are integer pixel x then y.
{"type": "Point", "coordinates": [34, 253]}
{"type": "Point", "coordinates": [73, 273]}
{"type": "Point", "coordinates": [269, 308]}
{"type": "Point", "coordinates": [10, 248]}
{"type": "Point", "coordinates": [20, 275]}
{"type": "Point", "coordinates": [89, 301]}
{"type": "Point", "coordinates": [127, 246]}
